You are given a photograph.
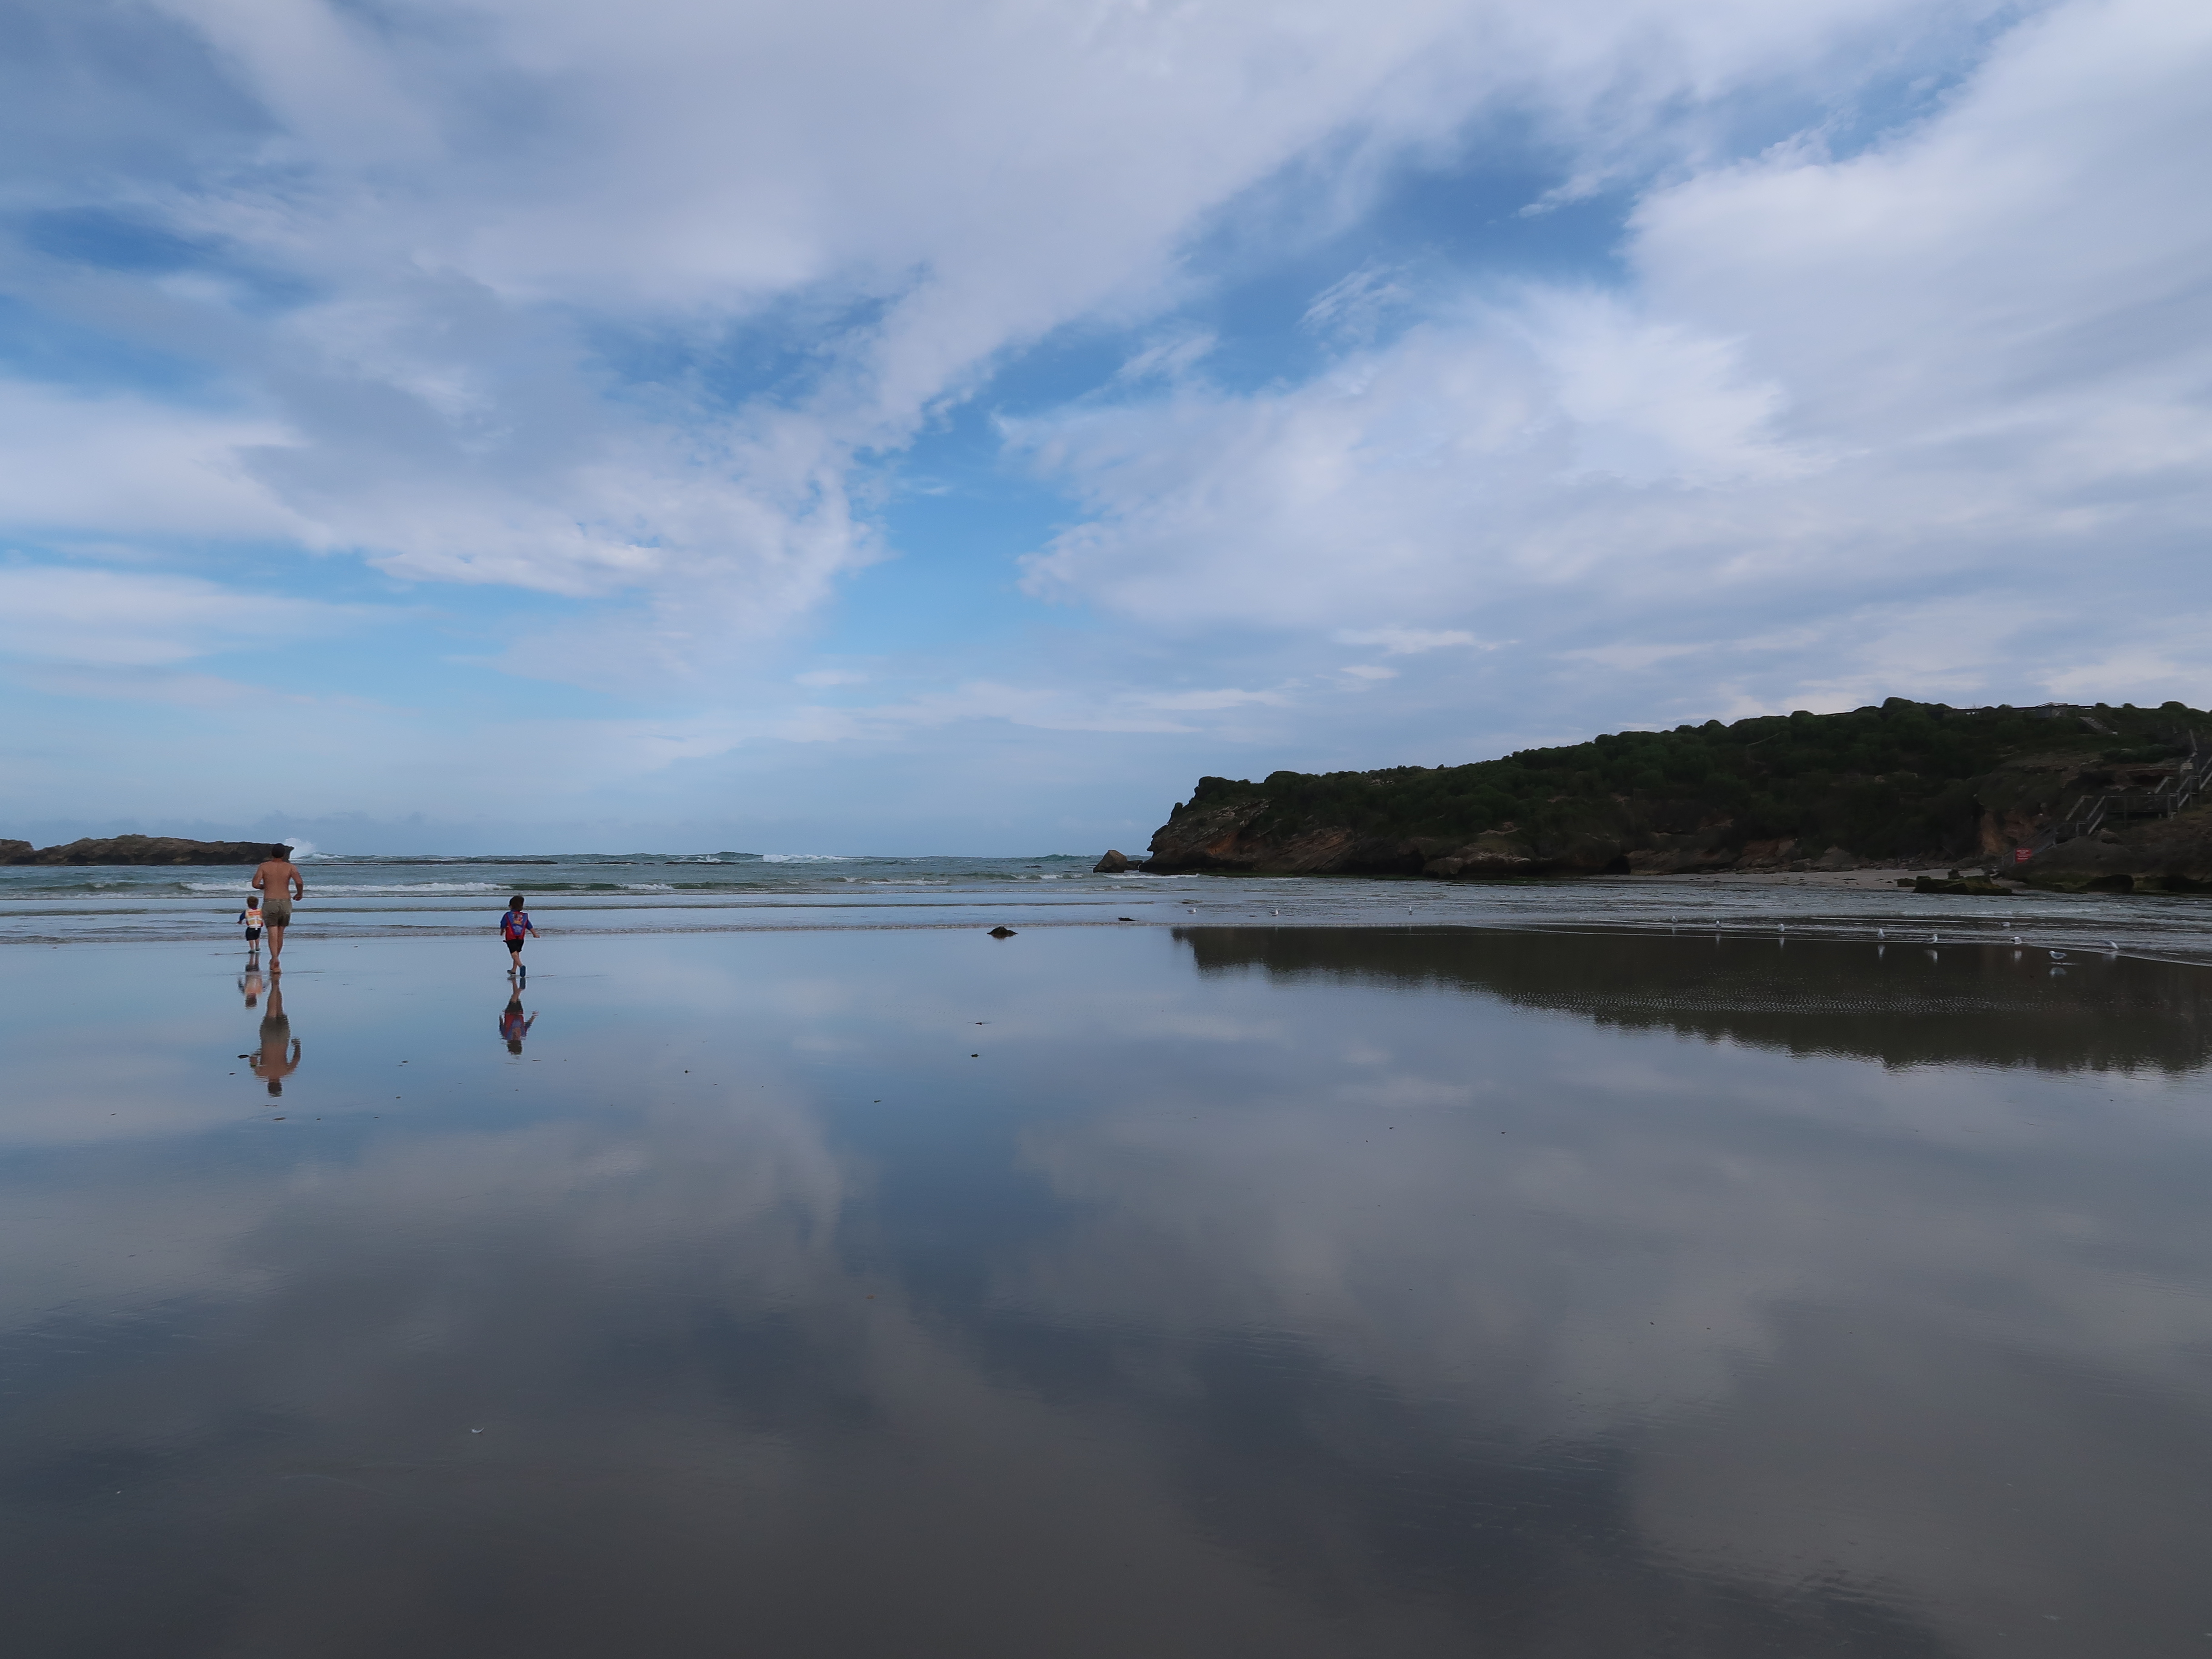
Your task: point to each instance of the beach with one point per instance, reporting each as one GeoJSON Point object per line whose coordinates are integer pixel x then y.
{"type": "Point", "coordinates": [356, 898]}
{"type": "Point", "coordinates": [1210, 1284]}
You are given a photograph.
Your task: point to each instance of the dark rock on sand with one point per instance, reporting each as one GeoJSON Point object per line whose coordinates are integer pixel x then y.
{"type": "Point", "coordinates": [1002, 933]}
{"type": "Point", "coordinates": [138, 849]}
{"type": "Point", "coordinates": [1972, 886]}
{"type": "Point", "coordinates": [2153, 855]}
{"type": "Point", "coordinates": [1112, 865]}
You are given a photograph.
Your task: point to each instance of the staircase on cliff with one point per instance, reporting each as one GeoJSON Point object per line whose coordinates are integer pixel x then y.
{"type": "Point", "coordinates": [2090, 813]}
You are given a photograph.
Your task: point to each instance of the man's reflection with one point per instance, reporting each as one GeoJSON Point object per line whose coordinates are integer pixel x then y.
{"type": "Point", "coordinates": [513, 1026]}
{"type": "Point", "coordinates": [278, 1056]}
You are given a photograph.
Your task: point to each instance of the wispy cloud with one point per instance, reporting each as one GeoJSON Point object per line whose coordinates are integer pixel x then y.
{"type": "Point", "coordinates": [1410, 642]}
{"type": "Point", "coordinates": [1352, 308]}
{"type": "Point", "coordinates": [1166, 360]}
{"type": "Point", "coordinates": [137, 619]}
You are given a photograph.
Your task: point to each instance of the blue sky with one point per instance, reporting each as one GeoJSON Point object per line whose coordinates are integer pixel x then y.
{"type": "Point", "coordinates": [956, 426]}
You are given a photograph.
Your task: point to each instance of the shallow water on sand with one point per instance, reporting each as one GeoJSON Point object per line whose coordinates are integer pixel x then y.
{"type": "Point", "coordinates": [1163, 1291]}
{"type": "Point", "coordinates": [354, 898]}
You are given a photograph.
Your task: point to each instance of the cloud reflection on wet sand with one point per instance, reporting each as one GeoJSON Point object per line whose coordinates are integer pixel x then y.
{"type": "Point", "coordinates": [1354, 1299]}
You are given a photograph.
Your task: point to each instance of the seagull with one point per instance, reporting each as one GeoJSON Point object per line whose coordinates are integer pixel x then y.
{"type": "Point", "coordinates": [2016, 939]}
{"type": "Point", "coordinates": [1935, 938]}
{"type": "Point", "coordinates": [1882, 932]}
{"type": "Point", "coordinates": [2058, 956]}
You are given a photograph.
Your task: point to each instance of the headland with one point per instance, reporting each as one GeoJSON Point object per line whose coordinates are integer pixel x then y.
{"type": "Point", "coordinates": [2065, 796]}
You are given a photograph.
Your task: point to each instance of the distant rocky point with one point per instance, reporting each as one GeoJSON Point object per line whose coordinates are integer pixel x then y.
{"type": "Point", "coordinates": [2069, 796]}
{"type": "Point", "coordinates": [138, 849]}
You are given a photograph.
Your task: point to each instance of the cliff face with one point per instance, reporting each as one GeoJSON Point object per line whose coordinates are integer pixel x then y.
{"type": "Point", "coordinates": [1903, 782]}
{"type": "Point", "coordinates": [1226, 840]}
{"type": "Point", "coordinates": [1230, 839]}
{"type": "Point", "coordinates": [136, 849]}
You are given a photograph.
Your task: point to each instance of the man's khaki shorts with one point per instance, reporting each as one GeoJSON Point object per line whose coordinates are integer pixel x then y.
{"type": "Point", "coordinates": [277, 912]}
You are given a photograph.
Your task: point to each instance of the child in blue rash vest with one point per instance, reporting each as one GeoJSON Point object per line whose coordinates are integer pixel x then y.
{"type": "Point", "coordinates": [514, 1026]}
{"type": "Point", "coordinates": [250, 918]}
{"type": "Point", "coordinates": [513, 927]}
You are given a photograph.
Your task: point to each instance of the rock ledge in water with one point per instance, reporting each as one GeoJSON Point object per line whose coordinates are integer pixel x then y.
{"type": "Point", "coordinates": [138, 849]}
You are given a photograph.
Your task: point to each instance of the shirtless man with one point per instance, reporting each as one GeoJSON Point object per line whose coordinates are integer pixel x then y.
{"type": "Point", "coordinates": [278, 1056]}
{"type": "Point", "coordinates": [278, 878]}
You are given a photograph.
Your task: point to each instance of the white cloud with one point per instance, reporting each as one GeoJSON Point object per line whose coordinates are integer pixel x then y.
{"type": "Point", "coordinates": [1354, 307]}
{"type": "Point", "coordinates": [490, 218]}
{"type": "Point", "coordinates": [1631, 657]}
{"type": "Point", "coordinates": [1962, 374]}
{"type": "Point", "coordinates": [1484, 453]}
{"type": "Point", "coordinates": [1041, 707]}
{"type": "Point", "coordinates": [1409, 642]}
{"type": "Point", "coordinates": [135, 620]}
{"type": "Point", "coordinates": [1169, 359]}
{"type": "Point", "coordinates": [124, 465]}
{"type": "Point", "coordinates": [1208, 702]}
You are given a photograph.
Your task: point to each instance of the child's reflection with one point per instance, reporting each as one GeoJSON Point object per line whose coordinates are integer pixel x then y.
{"type": "Point", "coordinates": [250, 981]}
{"type": "Point", "coordinates": [278, 1057]}
{"type": "Point", "coordinates": [511, 1024]}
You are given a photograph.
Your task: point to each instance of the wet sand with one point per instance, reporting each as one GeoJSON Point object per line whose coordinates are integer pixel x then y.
{"type": "Point", "coordinates": [1173, 1290]}
{"type": "Point", "coordinates": [1884, 879]}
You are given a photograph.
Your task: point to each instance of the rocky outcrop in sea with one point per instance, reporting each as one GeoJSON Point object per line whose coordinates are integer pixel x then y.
{"type": "Point", "coordinates": [136, 849]}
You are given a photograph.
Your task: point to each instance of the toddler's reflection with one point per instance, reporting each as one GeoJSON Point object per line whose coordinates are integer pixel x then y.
{"type": "Point", "coordinates": [278, 1057]}
{"type": "Point", "coordinates": [513, 1026]}
{"type": "Point", "coordinates": [250, 981]}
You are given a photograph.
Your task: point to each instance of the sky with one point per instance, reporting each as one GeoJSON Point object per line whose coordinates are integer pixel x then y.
{"type": "Point", "coordinates": [525, 425]}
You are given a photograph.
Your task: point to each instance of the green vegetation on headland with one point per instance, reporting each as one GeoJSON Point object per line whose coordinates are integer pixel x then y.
{"type": "Point", "coordinates": [1906, 783]}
